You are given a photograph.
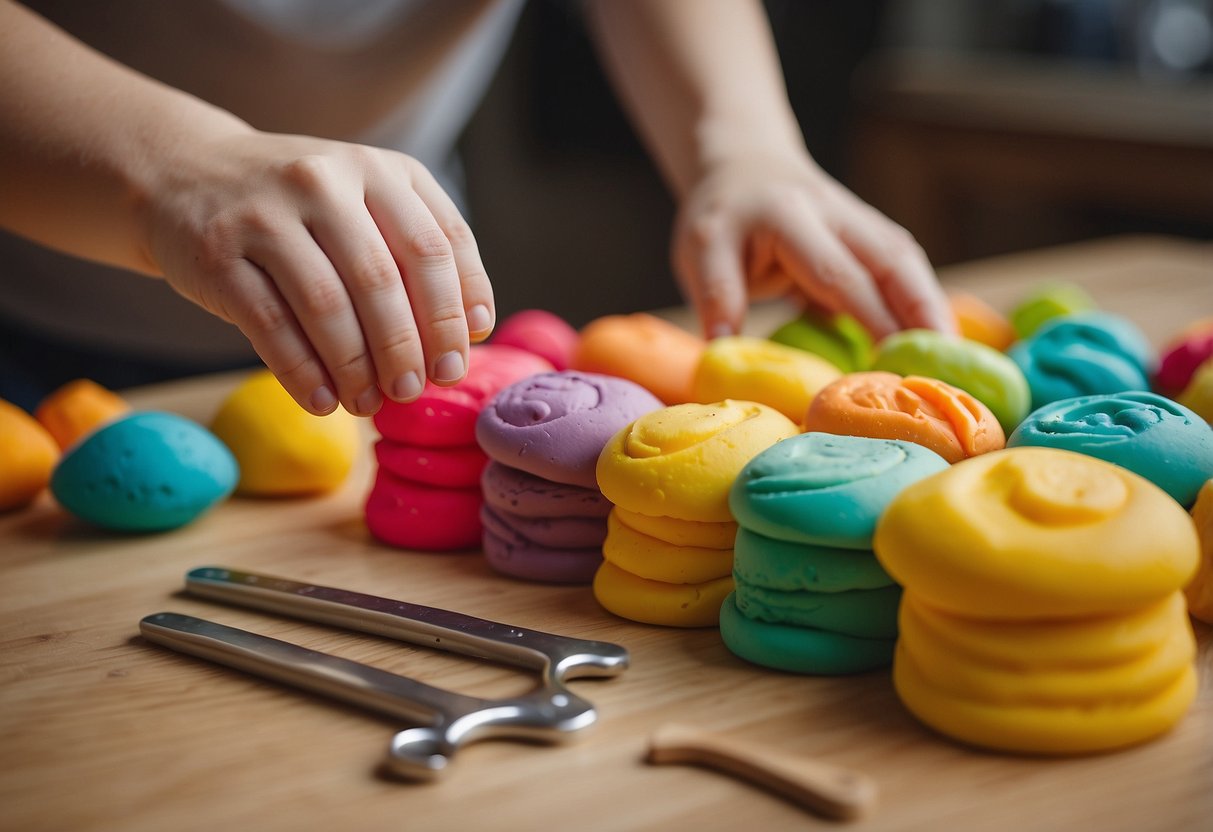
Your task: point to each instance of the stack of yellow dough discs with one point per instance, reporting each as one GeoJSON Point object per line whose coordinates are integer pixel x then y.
{"type": "Point", "coordinates": [668, 555]}
{"type": "Point", "coordinates": [1042, 610]}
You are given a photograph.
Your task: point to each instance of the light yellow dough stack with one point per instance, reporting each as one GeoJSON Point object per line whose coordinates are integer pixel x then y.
{"type": "Point", "coordinates": [668, 555]}
{"type": "Point", "coordinates": [1042, 610]}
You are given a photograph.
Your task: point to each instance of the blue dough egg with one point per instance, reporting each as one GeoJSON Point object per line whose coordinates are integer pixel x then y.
{"type": "Point", "coordinates": [147, 472]}
{"type": "Point", "coordinates": [1082, 355]}
{"type": "Point", "coordinates": [1148, 434]}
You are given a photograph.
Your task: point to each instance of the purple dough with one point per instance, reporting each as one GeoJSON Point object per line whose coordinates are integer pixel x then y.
{"type": "Point", "coordinates": [517, 492]}
{"type": "Point", "coordinates": [556, 532]}
{"type": "Point", "coordinates": [518, 558]}
{"type": "Point", "coordinates": [554, 425]}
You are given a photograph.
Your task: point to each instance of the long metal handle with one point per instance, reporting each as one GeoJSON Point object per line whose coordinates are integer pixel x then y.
{"type": "Point", "coordinates": [348, 681]}
{"type": "Point", "coordinates": [554, 656]}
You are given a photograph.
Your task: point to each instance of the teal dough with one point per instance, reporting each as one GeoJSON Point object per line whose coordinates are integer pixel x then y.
{"type": "Point", "coordinates": [864, 613]}
{"type": "Point", "coordinates": [1148, 434]}
{"type": "Point", "coordinates": [800, 649]}
{"type": "Point", "coordinates": [778, 564]}
{"type": "Point", "coordinates": [827, 490]}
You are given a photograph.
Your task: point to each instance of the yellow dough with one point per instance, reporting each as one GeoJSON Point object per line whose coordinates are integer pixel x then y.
{"type": "Point", "coordinates": [681, 461]}
{"type": "Point", "coordinates": [680, 532]}
{"type": "Point", "coordinates": [282, 449]}
{"type": "Point", "coordinates": [1199, 591]}
{"type": "Point", "coordinates": [657, 602]}
{"type": "Point", "coordinates": [1028, 533]}
{"type": "Point", "coordinates": [1043, 729]}
{"type": "Point", "coordinates": [657, 560]}
{"type": "Point", "coordinates": [1135, 678]}
{"type": "Point", "coordinates": [1055, 643]}
{"type": "Point", "coordinates": [755, 369]}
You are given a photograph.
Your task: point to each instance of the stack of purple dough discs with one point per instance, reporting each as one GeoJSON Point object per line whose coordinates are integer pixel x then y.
{"type": "Point", "coordinates": [544, 518]}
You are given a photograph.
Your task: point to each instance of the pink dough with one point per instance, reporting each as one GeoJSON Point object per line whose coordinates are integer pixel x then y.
{"type": "Point", "coordinates": [555, 532]}
{"type": "Point", "coordinates": [519, 558]}
{"type": "Point", "coordinates": [446, 416]}
{"type": "Point", "coordinates": [517, 492]}
{"type": "Point", "coordinates": [554, 425]}
{"type": "Point", "coordinates": [415, 516]}
{"type": "Point", "coordinates": [540, 332]}
{"type": "Point", "coordinates": [458, 467]}
{"type": "Point", "coordinates": [1179, 363]}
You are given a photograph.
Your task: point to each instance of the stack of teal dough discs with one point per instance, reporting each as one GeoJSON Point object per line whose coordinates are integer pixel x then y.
{"type": "Point", "coordinates": [810, 596]}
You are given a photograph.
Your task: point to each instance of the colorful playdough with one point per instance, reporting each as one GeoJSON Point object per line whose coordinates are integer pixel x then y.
{"type": "Point", "coordinates": [839, 339]}
{"type": "Point", "coordinates": [77, 409]}
{"type": "Point", "coordinates": [1047, 302]}
{"type": "Point", "coordinates": [1081, 355]}
{"type": "Point", "coordinates": [427, 493]}
{"type": "Point", "coordinates": [983, 372]}
{"type": "Point", "coordinates": [1146, 433]}
{"type": "Point", "coordinates": [980, 322]}
{"type": "Point", "coordinates": [648, 350]}
{"type": "Point", "coordinates": [1198, 395]}
{"type": "Point", "coordinates": [669, 547]}
{"type": "Point", "coordinates": [27, 456]}
{"type": "Point", "coordinates": [1182, 355]}
{"type": "Point", "coordinates": [282, 449]}
{"type": "Point", "coordinates": [145, 472]}
{"type": "Point", "coordinates": [551, 428]}
{"type": "Point", "coordinates": [1041, 611]}
{"type": "Point", "coordinates": [921, 410]}
{"type": "Point", "coordinates": [540, 332]}
{"type": "Point", "coordinates": [810, 596]}
{"type": "Point", "coordinates": [1199, 590]}
{"type": "Point", "coordinates": [758, 370]}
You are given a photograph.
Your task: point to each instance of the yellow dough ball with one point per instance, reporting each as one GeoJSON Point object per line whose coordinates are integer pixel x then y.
{"type": "Point", "coordinates": [282, 449]}
{"type": "Point", "coordinates": [755, 369]}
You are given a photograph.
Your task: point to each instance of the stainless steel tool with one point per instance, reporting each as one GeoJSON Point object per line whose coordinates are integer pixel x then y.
{"type": "Point", "coordinates": [549, 713]}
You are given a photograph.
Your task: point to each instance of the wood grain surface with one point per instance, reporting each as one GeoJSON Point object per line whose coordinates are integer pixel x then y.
{"type": "Point", "coordinates": [100, 730]}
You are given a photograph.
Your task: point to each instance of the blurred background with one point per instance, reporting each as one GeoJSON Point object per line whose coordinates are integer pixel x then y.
{"type": "Point", "coordinates": [982, 127]}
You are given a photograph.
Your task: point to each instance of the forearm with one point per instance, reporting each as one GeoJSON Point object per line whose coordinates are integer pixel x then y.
{"type": "Point", "coordinates": [700, 78]}
{"type": "Point", "coordinates": [85, 140]}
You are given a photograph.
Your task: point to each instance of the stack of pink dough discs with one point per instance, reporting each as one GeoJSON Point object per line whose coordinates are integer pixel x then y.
{"type": "Point", "coordinates": [541, 332]}
{"type": "Point", "coordinates": [544, 517]}
{"type": "Point", "coordinates": [426, 494]}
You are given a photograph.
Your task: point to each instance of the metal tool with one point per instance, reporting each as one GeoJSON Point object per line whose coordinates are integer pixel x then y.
{"type": "Point", "coordinates": [548, 713]}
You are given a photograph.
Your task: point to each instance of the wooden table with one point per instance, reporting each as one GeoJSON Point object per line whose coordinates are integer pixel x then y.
{"type": "Point", "coordinates": [102, 731]}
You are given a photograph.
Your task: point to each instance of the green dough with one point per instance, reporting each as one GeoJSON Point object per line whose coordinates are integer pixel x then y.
{"type": "Point", "coordinates": [864, 613]}
{"type": "Point", "coordinates": [777, 564]}
{"type": "Point", "coordinates": [800, 649]}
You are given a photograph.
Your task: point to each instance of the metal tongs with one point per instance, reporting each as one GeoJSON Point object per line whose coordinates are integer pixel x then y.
{"type": "Point", "coordinates": [548, 713]}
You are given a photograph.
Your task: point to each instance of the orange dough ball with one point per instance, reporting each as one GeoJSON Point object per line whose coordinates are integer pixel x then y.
{"type": "Point", "coordinates": [978, 321]}
{"type": "Point", "coordinates": [27, 456]}
{"type": "Point", "coordinates": [77, 409]}
{"type": "Point", "coordinates": [648, 350]}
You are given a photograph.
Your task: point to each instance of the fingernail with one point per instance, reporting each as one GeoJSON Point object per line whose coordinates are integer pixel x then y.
{"type": "Point", "coordinates": [323, 400]}
{"type": "Point", "coordinates": [449, 367]}
{"type": "Point", "coordinates": [368, 401]}
{"type": "Point", "coordinates": [479, 319]}
{"type": "Point", "coordinates": [407, 387]}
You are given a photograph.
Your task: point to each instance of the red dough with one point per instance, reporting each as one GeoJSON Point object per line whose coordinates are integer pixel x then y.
{"type": "Point", "coordinates": [415, 516]}
{"type": "Point", "coordinates": [458, 467]}
{"type": "Point", "coordinates": [540, 332]}
{"type": "Point", "coordinates": [445, 417]}
{"type": "Point", "coordinates": [1179, 361]}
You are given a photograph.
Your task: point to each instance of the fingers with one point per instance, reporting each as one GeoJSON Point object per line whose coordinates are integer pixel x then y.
{"type": "Point", "coordinates": [826, 270]}
{"type": "Point", "coordinates": [708, 259]}
{"type": "Point", "coordinates": [250, 300]}
{"type": "Point", "coordinates": [902, 273]}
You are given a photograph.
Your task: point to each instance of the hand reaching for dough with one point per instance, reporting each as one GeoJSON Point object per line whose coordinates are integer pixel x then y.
{"type": "Point", "coordinates": [764, 225]}
{"type": "Point", "coordinates": [347, 267]}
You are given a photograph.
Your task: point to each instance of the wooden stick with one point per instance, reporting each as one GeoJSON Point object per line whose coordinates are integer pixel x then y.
{"type": "Point", "coordinates": [826, 789]}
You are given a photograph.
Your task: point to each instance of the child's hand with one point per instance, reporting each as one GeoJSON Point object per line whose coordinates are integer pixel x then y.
{"type": "Point", "coordinates": [764, 225]}
{"type": "Point", "coordinates": [347, 267]}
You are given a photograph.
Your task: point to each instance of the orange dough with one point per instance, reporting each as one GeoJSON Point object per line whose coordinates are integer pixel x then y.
{"type": "Point", "coordinates": [916, 409]}
{"type": "Point", "coordinates": [978, 321]}
{"type": "Point", "coordinates": [652, 352]}
{"type": "Point", "coordinates": [27, 456]}
{"type": "Point", "coordinates": [77, 409]}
